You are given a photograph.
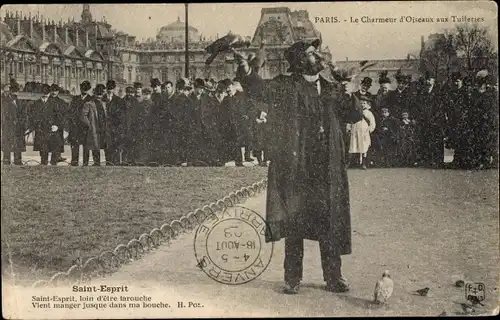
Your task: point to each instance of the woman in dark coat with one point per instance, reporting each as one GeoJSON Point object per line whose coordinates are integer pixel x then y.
{"type": "Point", "coordinates": [14, 123]}
{"type": "Point", "coordinates": [47, 121]}
{"type": "Point", "coordinates": [308, 190]}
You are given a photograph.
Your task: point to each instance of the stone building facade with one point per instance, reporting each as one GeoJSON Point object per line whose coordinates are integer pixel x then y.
{"type": "Point", "coordinates": [34, 49]}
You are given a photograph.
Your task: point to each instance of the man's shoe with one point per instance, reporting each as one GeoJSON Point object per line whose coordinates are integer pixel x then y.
{"type": "Point", "coordinates": [339, 285]}
{"type": "Point", "coordinates": [291, 288]}
{"type": "Point", "coordinates": [61, 159]}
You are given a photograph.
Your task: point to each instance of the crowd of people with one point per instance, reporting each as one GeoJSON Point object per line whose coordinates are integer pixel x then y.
{"type": "Point", "coordinates": [209, 123]}
{"type": "Point", "coordinates": [198, 123]}
{"type": "Point", "coordinates": [412, 125]}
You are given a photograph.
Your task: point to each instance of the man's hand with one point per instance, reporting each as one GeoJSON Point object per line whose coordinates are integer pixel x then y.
{"type": "Point", "coordinates": [54, 128]}
{"type": "Point", "coordinates": [385, 128]}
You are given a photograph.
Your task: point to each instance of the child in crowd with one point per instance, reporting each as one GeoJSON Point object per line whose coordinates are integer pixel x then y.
{"type": "Point", "coordinates": [360, 140]}
{"type": "Point", "coordinates": [407, 156]}
{"type": "Point", "coordinates": [386, 139]}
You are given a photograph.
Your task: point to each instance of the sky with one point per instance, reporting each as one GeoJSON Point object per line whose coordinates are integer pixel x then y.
{"type": "Point", "coordinates": [356, 41]}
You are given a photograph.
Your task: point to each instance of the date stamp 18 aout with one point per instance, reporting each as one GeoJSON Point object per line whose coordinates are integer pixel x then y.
{"type": "Point", "coordinates": [230, 246]}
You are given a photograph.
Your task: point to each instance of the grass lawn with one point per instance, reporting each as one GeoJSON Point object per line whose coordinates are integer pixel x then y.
{"type": "Point", "coordinates": [52, 215]}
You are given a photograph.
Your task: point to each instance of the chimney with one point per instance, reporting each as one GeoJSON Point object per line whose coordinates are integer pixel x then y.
{"type": "Point", "coordinates": [86, 38]}
{"type": "Point", "coordinates": [18, 21]}
{"type": "Point", "coordinates": [96, 31]}
{"type": "Point", "coordinates": [66, 35]}
{"type": "Point", "coordinates": [31, 26]}
{"type": "Point", "coordinates": [77, 38]}
{"type": "Point", "coordinates": [43, 30]}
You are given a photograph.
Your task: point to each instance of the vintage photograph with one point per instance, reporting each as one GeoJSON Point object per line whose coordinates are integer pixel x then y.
{"type": "Point", "coordinates": [287, 159]}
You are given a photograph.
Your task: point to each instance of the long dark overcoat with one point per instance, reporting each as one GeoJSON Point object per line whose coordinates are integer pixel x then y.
{"type": "Point", "coordinates": [76, 130]}
{"type": "Point", "coordinates": [62, 108]}
{"type": "Point", "coordinates": [44, 116]}
{"type": "Point", "coordinates": [115, 122]}
{"type": "Point", "coordinates": [294, 205]}
{"type": "Point", "coordinates": [89, 118]}
{"type": "Point", "coordinates": [14, 124]}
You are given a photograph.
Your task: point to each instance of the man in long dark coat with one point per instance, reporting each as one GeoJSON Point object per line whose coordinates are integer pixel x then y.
{"type": "Point", "coordinates": [14, 124]}
{"type": "Point", "coordinates": [89, 121]}
{"type": "Point", "coordinates": [458, 130]}
{"type": "Point", "coordinates": [210, 115]}
{"type": "Point", "coordinates": [47, 121]}
{"type": "Point", "coordinates": [400, 99]}
{"type": "Point", "coordinates": [63, 108]}
{"type": "Point", "coordinates": [430, 125]}
{"type": "Point", "coordinates": [181, 113]}
{"type": "Point", "coordinates": [161, 126]}
{"type": "Point", "coordinates": [484, 121]}
{"type": "Point", "coordinates": [129, 101]}
{"type": "Point", "coordinates": [76, 129]}
{"type": "Point", "coordinates": [102, 116]}
{"type": "Point", "coordinates": [115, 124]}
{"type": "Point", "coordinates": [308, 190]}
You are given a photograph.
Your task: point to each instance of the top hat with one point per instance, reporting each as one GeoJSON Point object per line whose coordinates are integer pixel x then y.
{"type": "Point", "coordinates": [199, 83]}
{"type": "Point", "coordinates": [294, 52]}
{"type": "Point", "coordinates": [54, 87]}
{"type": "Point", "coordinates": [456, 76]}
{"type": "Point", "coordinates": [99, 89]}
{"type": "Point", "coordinates": [155, 82]}
{"type": "Point", "coordinates": [110, 85]}
{"type": "Point", "coordinates": [85, 86]}
{"type": "Point", "coordinates": [367, 81]}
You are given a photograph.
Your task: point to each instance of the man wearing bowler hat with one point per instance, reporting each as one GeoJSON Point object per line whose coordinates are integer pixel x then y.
{"type": "Point", "coordinates": [62, 108]}
{"type": "Point", "coordinates": [76, 130]}
{"type": "Point", "coordinates": [308, 190]}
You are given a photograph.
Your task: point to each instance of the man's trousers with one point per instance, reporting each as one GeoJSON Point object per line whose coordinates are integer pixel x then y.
{"type": "Point", "coordinates": [294, 254]}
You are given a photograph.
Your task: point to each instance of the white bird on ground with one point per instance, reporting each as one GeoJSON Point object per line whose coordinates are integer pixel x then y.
{"type": "Point", "coordinates": [383, 288]}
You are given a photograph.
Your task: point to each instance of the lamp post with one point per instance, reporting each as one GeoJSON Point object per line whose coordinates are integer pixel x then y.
{"type": "Point", "coordinates": [186, 44]}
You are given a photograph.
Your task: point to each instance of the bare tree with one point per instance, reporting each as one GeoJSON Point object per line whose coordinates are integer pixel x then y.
{"type": "Point", "coordinates": [438, 56]}
{"type": "Point", "coordinates": [475, 45]}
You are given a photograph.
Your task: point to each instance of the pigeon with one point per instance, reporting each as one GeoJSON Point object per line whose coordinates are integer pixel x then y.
{"type": "Point", "coordinates": [467, 308]}
{"type": "Point", "coordinates": [225, 44]}
{"type": "Point", "coordinates": [348, 75]}
{"type": "Point", "coordinates": [423, 292]}
{"type": "Point", "coordinates": [459, 283]}
{"type": "Point", "coordinates": [383, 288]}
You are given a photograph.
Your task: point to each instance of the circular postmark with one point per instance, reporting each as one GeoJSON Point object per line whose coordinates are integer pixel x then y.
{"type": "Point", "coordinates": [230, 245]}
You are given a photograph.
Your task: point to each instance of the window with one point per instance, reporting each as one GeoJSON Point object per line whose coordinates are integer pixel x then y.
{"type": "Point", "coordinates": [129, 75]}
{"type": "Point", "coordinates": [164, 74]}
{"type": "Point", "coordinates": [20, 67]}
{"type": "Point", "coordinates": [38, 70]}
